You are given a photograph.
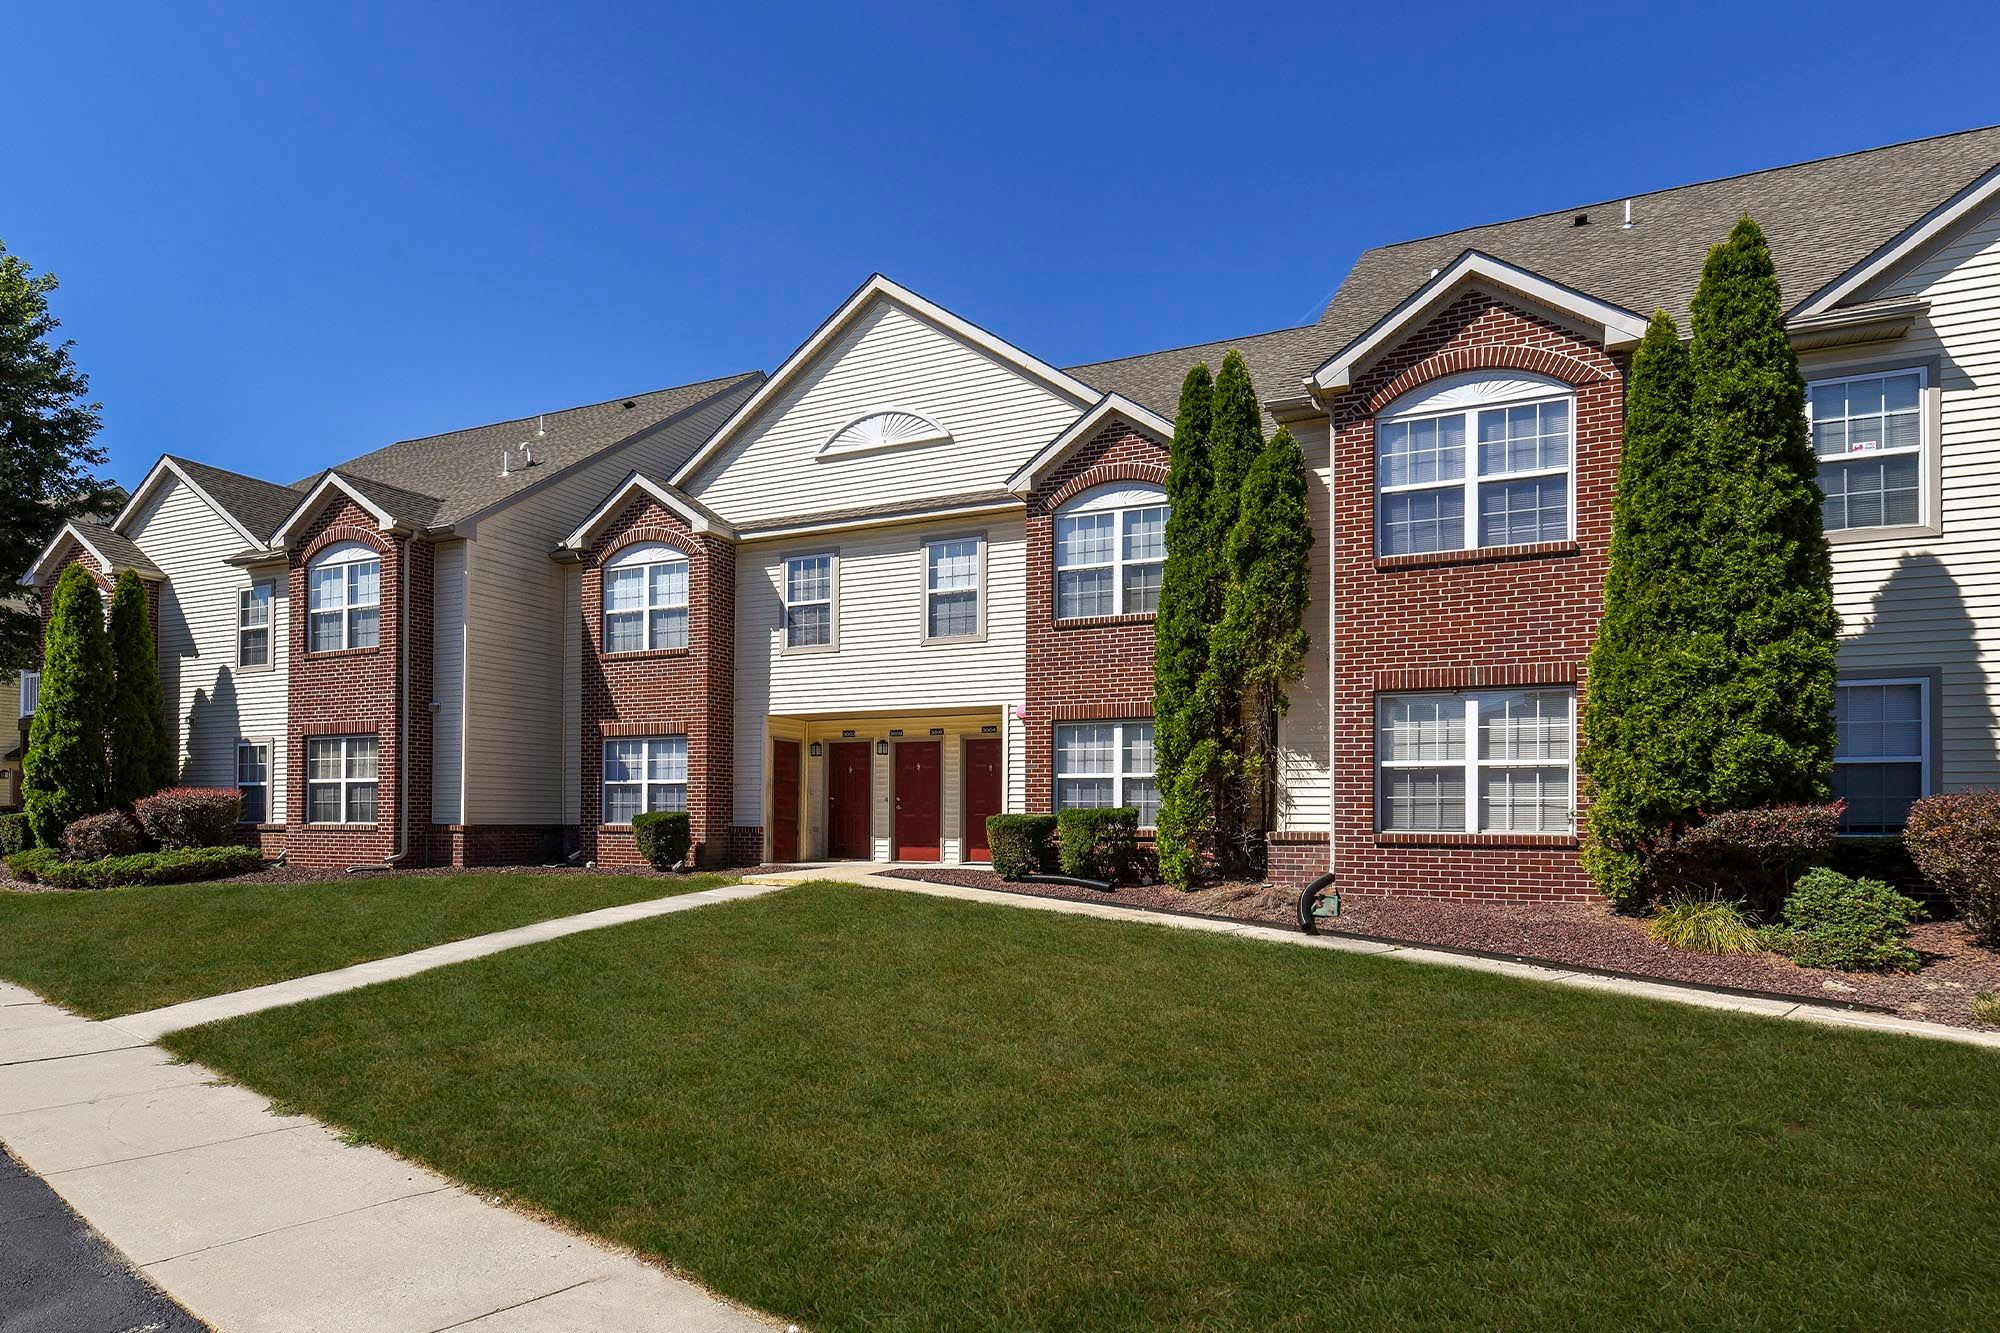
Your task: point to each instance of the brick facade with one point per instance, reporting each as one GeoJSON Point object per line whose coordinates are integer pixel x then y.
{"type": "Point", "coordinates": [1513, 616]}
{"type": "Point", "coordinates": [680, 691]}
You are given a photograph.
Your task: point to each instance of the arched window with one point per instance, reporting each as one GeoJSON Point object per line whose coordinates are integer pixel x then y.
{"type": "Point", "coordinates": [646, 599]}
{"type": "Point", "coordinates": [1475, 461]}
{"type": "Point", "coordinates": [1111, 543]}
{"type": "Point", "coordinates": [344, 592]}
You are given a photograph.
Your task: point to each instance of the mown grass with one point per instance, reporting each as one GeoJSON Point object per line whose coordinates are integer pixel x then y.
{"type": "Point", "coordinates": [862, 1109]}
{"type": "Point", "coordinates": [123, 950]}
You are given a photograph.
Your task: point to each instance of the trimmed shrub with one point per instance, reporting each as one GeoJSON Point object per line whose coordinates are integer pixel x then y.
{"type": "Point", "coordinates": [664, 837]}
{"type": "Point", "coordinates": [1703, 925]}
{"type": "Point", "coordinates": [1955, 841]}
{"type": "Point", "coordinates": [191, 816]}
{"type": "Point", "coordinates": [1021, 844]}
{"type": "Point", "coordinates": [1754, 854]}
{"type": "Point", "coordinates": [17, 834]}
{"type": "Point", "coordinates": [178, 866]}
{"type": "Point", "coordinates": [143, 752]}
{"type": "Point", "coordinates": [1097, 844]}
{"type": "Point", "coordinates": [95, 837]}
{"type": "Point", "coordinates": [1850, 924]}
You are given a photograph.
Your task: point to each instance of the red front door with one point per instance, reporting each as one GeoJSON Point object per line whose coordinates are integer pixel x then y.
{"type": "Point", "coordinates": [784, 800]}
{"type": "Point", "coordinates": [982, 795]}
{"type": "Point", "coordinates": [919, 790]}
{"type": "Point", "coordinates": [847, 800]}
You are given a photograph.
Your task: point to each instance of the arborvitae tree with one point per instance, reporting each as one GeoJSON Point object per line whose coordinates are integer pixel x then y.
{"type": "Point", "coordinates": [1237, 440]}
{"type": "Point", "coordinates": [1189, 595]}
{"type": "Point", "coordinates": [142, 746]}
{"type": "Point", "coordinates": [1644, 783]}
{"type": "Point", "coordinates": [64, 776]}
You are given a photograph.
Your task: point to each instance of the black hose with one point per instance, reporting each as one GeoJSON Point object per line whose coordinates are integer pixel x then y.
{"type": "Point", "coordinates": [1308, 899]}
{"type": "Point", "coordinates": [1101, 885]}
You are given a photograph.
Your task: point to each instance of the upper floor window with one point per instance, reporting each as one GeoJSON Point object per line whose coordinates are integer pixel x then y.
{"type": "Point", "coordinates": [954, 571]}
{"type": "Point", "coordinates": [1474, 461]}
{"type": "Point", "coordinates": [31, 692]}
{"type": "Point", "coordinates": [344, 585]}
{"type": "Point", "coordinates": [1868, 432]}
{"type": "Point", "coordinates": [1497, 762]}
{"type": "Point", "coordinates": [646, 599]}
{"type": "Point", "coordinates": [253, 624]}
{"type": "Point", "coordinates": [809, 584]}
{"type": "Point", "coordinates": [1881, 751]}
{"type": "Point", "coordinates": [1111, 546]}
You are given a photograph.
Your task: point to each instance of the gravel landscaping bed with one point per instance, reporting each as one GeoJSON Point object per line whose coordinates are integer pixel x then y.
{"type": "Point", "coordinates": [1575, 935]}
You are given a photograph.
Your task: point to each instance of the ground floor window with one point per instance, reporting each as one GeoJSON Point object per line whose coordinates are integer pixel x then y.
{"type": "Point", "coordinates": [1107, 764]}
{"type": "Point", "coordinates": [643, 775]}
{"type": "Point", "coordinates": [340, 780]}
{"type": "Point", "coordinates": [1492, 762]}
{"type": "Point", "coordinates": [253, 780]}
{"type": "Point", "coordinates": [1882, 751]}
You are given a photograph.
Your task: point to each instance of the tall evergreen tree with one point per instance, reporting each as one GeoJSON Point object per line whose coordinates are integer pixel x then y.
{"type": "Point", "coordinates": [142, 746]}
{"type": "Point", "coordinates": [1189, 586]}
{"type": "Point", "coordinates": [47, 444]}
{"type": "Point", "coordinates": [64, 775]}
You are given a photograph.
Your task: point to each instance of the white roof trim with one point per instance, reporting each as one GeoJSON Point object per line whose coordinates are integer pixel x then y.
{"type": "Point", "coordinates": [1619, 326]}
{"type": "Point", "coordinates": [1913, 238]}
{"type": "Point", "coordinates": [1110, 405]}
{"type": "Point", "coordinates": [878, 288]}
{"type": "Point", "coordinates": [312, 502]}
{"type": "Point", "coordinates": [697, 517]}
{"type": "Point", "coordinates": [72, 528]}
{"type": "Point", "coordinates": [165, 466]}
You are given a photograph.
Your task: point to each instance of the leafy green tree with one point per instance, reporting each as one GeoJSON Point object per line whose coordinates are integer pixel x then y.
{"type": "Point", "coordinates": [1190, 587]}
{"type": "Point", "coordinates": [48, 444]}
{"type": "Point", "coordinates": [143, 752]}
{"type": "Point", "coordinates": [64, 775]}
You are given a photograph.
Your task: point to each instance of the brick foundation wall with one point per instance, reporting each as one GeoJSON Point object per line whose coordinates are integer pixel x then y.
{"type": "Point", "coordinates": [1523, 615]}
{"type": "Point", "coordinates": [684, 691]}
{"type": "Point", "coordinates": [467, 845]}
{"type": "Point", "coordinates": [1293, 860]}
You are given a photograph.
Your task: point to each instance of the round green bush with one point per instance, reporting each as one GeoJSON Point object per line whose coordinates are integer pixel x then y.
{"type": "Point", "coordinates": [1853, 925]}
{"type": "Point", "coordinates": [663, 836]}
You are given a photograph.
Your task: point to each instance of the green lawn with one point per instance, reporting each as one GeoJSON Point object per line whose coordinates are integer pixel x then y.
{"type": "Point", "coordinates": [864, 1109]}
{"type": "Point", "coordinates": [124, 950]}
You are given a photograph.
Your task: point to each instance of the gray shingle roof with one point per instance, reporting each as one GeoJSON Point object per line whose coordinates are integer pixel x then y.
{"type": "Point", "coordinates": [120, 550]}
{"type": "Point", "coordinates": [260, 506]}
{"type": "Point", "coordinates": [1277, 362]}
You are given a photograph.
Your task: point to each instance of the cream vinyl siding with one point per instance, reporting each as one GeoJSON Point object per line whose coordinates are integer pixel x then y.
{"type": "Point", "coordinates": [1913, 603]}
{"type": "Point", "coordinates": [1305, 747]}
{"type": "Point", "coordinates": [888, 357]}
{"type": "Point", "coordinates": [212, 702]}
{"type": "Point", "coordinates": [516, 630]}
{"type": "Point", "coordinates": [883, 665]}
{"type": "Point", "coordinates": [448, 685]}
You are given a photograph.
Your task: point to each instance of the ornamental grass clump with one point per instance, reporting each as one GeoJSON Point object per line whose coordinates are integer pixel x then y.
{"type": "Point", "coordinates": [1703, 925]}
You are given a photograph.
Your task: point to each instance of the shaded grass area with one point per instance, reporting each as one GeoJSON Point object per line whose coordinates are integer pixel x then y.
{"type": "Point", "coordinates": [861, 1109]}
{"type": "Point", "coordinates": [123, 950]}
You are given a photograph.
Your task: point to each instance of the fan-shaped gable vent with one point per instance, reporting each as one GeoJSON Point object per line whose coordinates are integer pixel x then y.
{"type": "Point", "coordinates": [887, 428]}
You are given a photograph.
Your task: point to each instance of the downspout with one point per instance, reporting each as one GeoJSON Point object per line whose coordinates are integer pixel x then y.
{"type": "Point", "coordinates": [403, 707]}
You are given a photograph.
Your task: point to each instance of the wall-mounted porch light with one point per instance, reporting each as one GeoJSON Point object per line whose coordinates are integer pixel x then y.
{"type": "Point", "coordinates": [815, 750]}
{"type": "Point", "coordinates": [881, 747]}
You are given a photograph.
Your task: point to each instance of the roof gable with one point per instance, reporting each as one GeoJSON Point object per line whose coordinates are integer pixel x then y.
{"type": "Point", "coordinates": [1111, 407]}
{"type": "Point", "coordinates": [387, 505]}
{"type": "Point", "coordinates": [697, 516]}
{"type": "Point", "coordinates": [252, 507]}
{"type": "Point", "coordinates": [113, 551]}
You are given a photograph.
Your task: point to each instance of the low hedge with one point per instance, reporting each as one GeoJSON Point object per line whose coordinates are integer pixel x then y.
{"type": "Point", "coordinates": [1098, 843]}
{"type": "Point", "coordinates": [664, 837]}
{"type": "Point", "coordinates": [1954, 839]}
{"type": "Point", "coordinates": [16, 834]}
{"type": "Point", "coordinates": [45, 865]}
{"type": "Point", "coordinates": [191, 816]}
{"type": "Point", "coordinates": [95, 837]}
{"type": "Point", "coordinates": [1021, 844]}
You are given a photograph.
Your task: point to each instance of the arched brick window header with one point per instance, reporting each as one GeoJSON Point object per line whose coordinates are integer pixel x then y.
{"type": "Point", "coordinates": [646, 533]}
{"type": "Point", "coordinates": [346, 532]}
{"type": "Point", "coordinates": [1154, 474]}
{"type": "Point", "coordinates": [1570, 370]}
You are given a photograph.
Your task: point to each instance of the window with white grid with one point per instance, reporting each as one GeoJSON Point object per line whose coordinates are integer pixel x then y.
{"type": "Point", "coordinates": [952, 572]}
{"type": "Point", "coordinates": [253, 624]}
{"type": "Point", "coordinates": [644, 774]}
{"type": "Point", "coordinates": [1497, 761]}
{"type": "Point", "coordinates": [808, 589]}
{"type": "Point", "coordinates": [1111, 547]}
{"type": "Point", "coordinates": [1473, 462]}
{"type": "Point", "coordinates": [1107, 764]}
{"type": "Point", "coordinates": [1881, 751]}
{"type": "Point", "coordinates": [1868, 434]}
{"type": "Point", "coordinates": [646, 599]}
{"type": "Point", "coordinates": [340, 779]}
{"type": "Point", "coordinates": [253, 780]}
{"type": "Point", "coordinates": [344, 598]}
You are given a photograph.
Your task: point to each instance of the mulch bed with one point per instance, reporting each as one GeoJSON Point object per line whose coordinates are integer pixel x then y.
{"type": "Point", "coordinates": [324, 875]}
{"type": "Point", "coordinates": [1955, 967]}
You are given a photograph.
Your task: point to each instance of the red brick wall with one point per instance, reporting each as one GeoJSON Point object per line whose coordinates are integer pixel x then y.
{"type": "Point", "coordinates": [1095, 667]}
{"type": "Point", "coordinates": [687, 691]}
{"type": "Point", "coordinates": [1525, 615]}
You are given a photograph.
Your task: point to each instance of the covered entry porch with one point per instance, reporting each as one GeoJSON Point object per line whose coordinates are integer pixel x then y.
{"type": "Point", "coordinates": [890, 786]}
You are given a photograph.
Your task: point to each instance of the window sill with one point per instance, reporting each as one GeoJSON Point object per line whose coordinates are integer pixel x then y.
{"type": "Point", "coordinates": [1905, 532]}
{"type": "Point", "coordinates": [316, 653]}
{"type": "Point", "coordinates": [1549, 840]}
{"type": "Point", "coordinates": [248, 827]}
{"type": "Point", "coordinates": [1485, 555]}
{"type": "Point", "coordinates": [310, 827]}
{"type": "Point", "coordinates": [638, 653]}
{"type": "Point", "coordinates": [1097, 622]}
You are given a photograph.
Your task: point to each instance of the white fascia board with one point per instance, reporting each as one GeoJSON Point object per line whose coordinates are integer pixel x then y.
{"type": "Point", "coordinates": [316, 495]}
{"type": "Point", "coordinates": [1912, 239]}
{"type": "Point", "coordinates": [878, 288]}
{"type": "Point", "coordinates": [1618, 326]}
{"type": "Point", "coordinates": [697, 517]}
{"type": "Point", "coordinates": [163, 469]}
{"type": "Point", "coordinates": [72, 528]}
{"type": "Point", "coordinates": [1110, 405]}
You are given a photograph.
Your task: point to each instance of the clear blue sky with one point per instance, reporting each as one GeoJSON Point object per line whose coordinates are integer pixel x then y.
{"type": "Point", "coordinates": [290, 233]}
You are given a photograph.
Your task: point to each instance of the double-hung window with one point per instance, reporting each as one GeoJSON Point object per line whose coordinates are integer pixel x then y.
{"type": "Point", "coordinates": [31, 692]}
{"type": "Point", "coordinates": [1100, 764]}
{"type": "Point", "coordinates": [953, 574]}
{"type": "Point", "coordinates": [1111, 546]}
{"type": "Point", "coordinates": [340, 779]}
{"type": "Point", "coordinates": [253, 780]}
{"type": "Point", "coordinates": [809, 590]}
{"type": "Point", "coordinates": [253, 624]}
{"type": "Point", "coordinates": [1474, 461]}
{"type": "Point", "coordinates": [646, 599]}
{"type": "Point", "coordinates": [1881, 751]}
{"type": "Point", "coordinates": [1868, 433]}
{"type": "Point", "coordinates": [344, 588]}
{"type": "Point", "coordinates": [644, 775]}
{"type": "Point", "coordinates": [1491, 762]}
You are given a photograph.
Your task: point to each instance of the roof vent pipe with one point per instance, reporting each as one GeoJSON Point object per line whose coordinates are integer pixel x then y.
{"type": "Point", "coordinates": [503, 464]}
{"type": "Point", "coordinates": [1628, 215]}
{"type": "Point", "coordinates": [539, 432]}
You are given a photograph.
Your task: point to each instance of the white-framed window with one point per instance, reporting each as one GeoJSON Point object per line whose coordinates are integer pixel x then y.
{"type": "Point", "coordinates": [1497, 761]}
{"type": "Point", "coordinates": [1111, 546]}
{"type": "Point", "coordinates": [1107, 764]}
{"type": "Point", "coordinates": [646, 599]}
{"type": "Point", "coordinates": [253, 624]}
{"type": "Point", "coordinates": [31, 692]}
{"type": "Point", "coordinates": [954, 572]}
{"type": "Point", "coordinates": [1475, 461]}
{"type": "Point", "coordinates": [809, 591]}
{"type": "Point", "coordinates": [1881, 757]}
{"type": "Point", "coordinates": [1868, 434]}
{"type": "Point", "coordinates": [649, 773]}
{"type": "Point", "coordinates": [344, 591]}
{"type": "Point", "coordinates": [340, 779]}
{"type": "Point", "coordinates": [253, 780]}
